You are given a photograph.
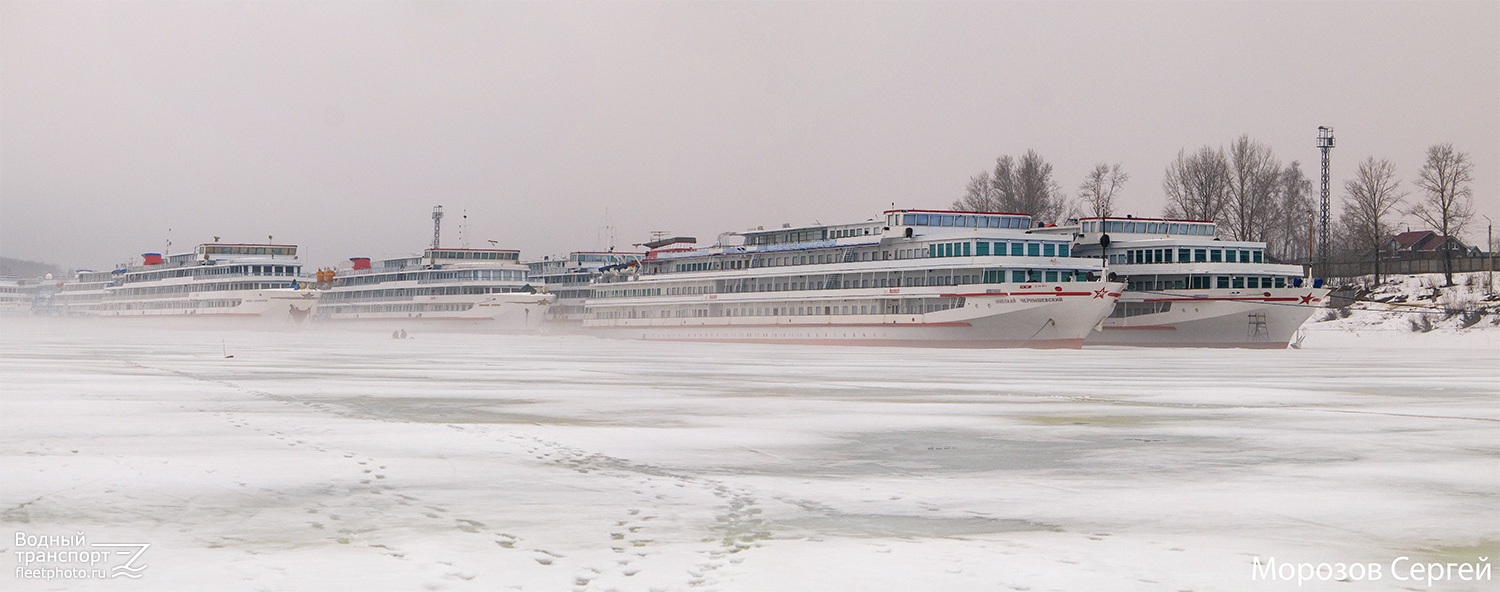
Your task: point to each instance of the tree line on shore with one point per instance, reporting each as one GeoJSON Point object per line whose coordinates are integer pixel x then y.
{"type": "Point", "coordinates": [1252, 194]}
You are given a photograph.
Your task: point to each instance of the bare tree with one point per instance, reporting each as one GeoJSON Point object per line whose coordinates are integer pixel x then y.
{"type": "Point", "coordinates": [1287, 235]}
{"type": "Point", "coordinates": [1196, 185]}
{"type": "Point", "coordinates": [1254, 173]}
{"type": "Point", "coordinates": [1003, 182]}
{"type": "Point", "coordinates": [1369, 200]}
{"type": "Point", "coordinates": [1448, 200]}
{"type": "Point", "coordinates": [1099, 188]}
{"type": "Point", "coordinates": [978, 196]}
{"type": "Point", "coordinates": [1035, 191]}
{"type": "Point", "coordinates": [1023, 186]}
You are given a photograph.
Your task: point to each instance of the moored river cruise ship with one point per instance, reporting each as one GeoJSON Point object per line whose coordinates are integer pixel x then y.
{"type": "Point", "coordinates": [16, 296]}
{"type": "Point", "coordinates": [569, 279]}
{"type": "Point", "coordinates": [216, 280]}
{"type": "Point", "coordinates": [483, 290]}
{"type": "Point", "coordinates": [1187, 288]}
{"type": "Point", "coordinates": [910, 278]}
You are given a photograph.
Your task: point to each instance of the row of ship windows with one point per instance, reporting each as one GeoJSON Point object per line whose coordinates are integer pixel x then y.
{"type": "Point", "coordinates": [173, 304]}
{"type": "Point", "coordinates": [504, 275]}
{"type": "Point", "coordinates": [810, 259]}
{"type": "Point", "coordinates": [324, 309]}
{"type": "Point", "coordinates": [894, 279]}
{"type": "Point", "coordinates": [197, 272]}
{"type": "Point", "coordinates": [167, 291]}
{"type": "Point", "coordinates": [964, 220]}
{"type": "Point", "coordinates": [1135, 309]}
{"type": "Point", "coordinates": [985, 248]}
{"type": "Point", "coordinates": [85, 286]}
{"type": "Point", "coordinates": [481, 255]}
{"type": "Point", "coordinates": [1204, 282]}
{"type": "Point", "coordinates": [886, 306]}
{"type": "Point", "coordinates": [1144, 227]}
{"type": "Point", "coordinates": [953, 249]}
{"type": "Point", "coordinates": [572, 278]}
{"type": "Point", "coordinates": [599, 258]}
{"type": "Point", "coordinates": [226, 250]}
{"type": "Point", "coordinates": [408, 293]}
{"type": "Point", "coordinates": [1189, 256]}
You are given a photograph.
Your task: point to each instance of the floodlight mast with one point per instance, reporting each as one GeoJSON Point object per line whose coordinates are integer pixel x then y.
{"type": "Point", "coordinates": [1325, 143]}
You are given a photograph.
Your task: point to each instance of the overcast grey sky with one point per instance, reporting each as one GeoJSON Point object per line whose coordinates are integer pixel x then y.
{"type": "Point", "coordinates": [338, 125]}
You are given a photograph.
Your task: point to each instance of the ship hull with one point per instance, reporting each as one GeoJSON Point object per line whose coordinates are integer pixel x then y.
{"type": "Point", "coordinates": [269, 306]}
{"type": "Point", "coordinates": [1044, 316]}
{"type": "Point", "coordinates": [1255, 319]}
{"type": "Point", "coordinates": [496, 313]}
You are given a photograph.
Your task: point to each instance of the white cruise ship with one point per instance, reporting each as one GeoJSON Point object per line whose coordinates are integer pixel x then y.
{"type": "Point", "coordinates": [254, 281]}
{"type": "Point", "coordinates": [911, 278]}
{"type": "Point", "coordinates": [84, 294]}
{"type": "Point", "coordinates": [568, 279]}
{"type": "Point", "coordinates": [1186, 288]}
{"type": "Point", "coordinates": [483, 290]}
{"type": "Point", "coordinates": [16, 296]}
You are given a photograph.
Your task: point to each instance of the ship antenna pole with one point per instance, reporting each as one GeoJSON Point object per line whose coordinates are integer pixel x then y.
{"type": "Point", "coordinates": [437, 225]}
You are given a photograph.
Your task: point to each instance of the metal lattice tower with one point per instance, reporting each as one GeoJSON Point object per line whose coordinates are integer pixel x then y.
{"type": "Point", "coordinates": [437, 216]}
{"type": "Point", "coordinates": [1325, 143]}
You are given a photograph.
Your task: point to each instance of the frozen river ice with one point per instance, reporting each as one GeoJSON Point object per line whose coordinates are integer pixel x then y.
{"type": "Point", "coordinates": [341, 460]}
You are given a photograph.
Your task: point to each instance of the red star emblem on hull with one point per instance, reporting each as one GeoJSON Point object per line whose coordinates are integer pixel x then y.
{"type": "Point", "coordinates": [1101, 292]}
{"type": "Point", "coordinates": [1308, 299]}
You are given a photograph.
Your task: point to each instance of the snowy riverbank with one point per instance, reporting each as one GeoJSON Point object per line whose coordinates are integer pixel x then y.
{"type": "Point", "coordinates": [330, 460]}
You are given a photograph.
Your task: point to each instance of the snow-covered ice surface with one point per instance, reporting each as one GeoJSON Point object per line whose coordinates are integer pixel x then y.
{"type": "Point", "coordinates": [316, 460]}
